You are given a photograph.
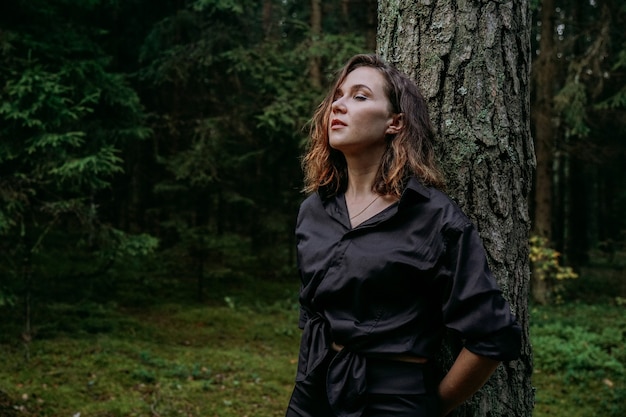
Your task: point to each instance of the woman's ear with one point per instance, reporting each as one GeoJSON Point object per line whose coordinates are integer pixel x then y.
{"type": "Point", "coordinates": [397, 124]}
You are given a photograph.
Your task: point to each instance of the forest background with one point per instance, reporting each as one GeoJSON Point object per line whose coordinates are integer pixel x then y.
{"type": "Point", "coordinates": [149, 158]}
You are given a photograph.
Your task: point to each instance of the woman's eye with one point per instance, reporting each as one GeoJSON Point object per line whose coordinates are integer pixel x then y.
{"type": "Point", "coordinates": [360, 97]}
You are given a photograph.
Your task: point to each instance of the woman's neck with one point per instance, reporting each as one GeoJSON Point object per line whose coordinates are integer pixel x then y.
{"type": "Point", "coordinates": [360, 183]}
{"type": "Point", "coordinates": [361, 176]}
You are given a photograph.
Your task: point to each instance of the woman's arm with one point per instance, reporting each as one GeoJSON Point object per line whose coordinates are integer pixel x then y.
{"type": "Point", "coordinates": [468, 373]}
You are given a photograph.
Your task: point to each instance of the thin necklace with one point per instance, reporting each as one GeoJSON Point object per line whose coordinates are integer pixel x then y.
{"type": "Point", "coordinates": [366, 207]}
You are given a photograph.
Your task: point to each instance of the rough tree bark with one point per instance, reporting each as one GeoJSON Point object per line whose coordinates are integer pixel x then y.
{"type": "Point", "coordinates": [472, 62]}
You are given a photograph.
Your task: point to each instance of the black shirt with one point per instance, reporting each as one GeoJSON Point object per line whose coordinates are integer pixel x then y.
{"type": "Point", "coordinates": [394, 282]}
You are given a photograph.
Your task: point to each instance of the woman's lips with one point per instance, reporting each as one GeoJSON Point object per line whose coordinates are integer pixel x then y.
{"type": "Point", "coordinates": [336, 124]}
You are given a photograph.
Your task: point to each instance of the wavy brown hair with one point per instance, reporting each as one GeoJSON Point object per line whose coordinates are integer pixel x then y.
{"type": "Point", "coordinates": [409, 152]}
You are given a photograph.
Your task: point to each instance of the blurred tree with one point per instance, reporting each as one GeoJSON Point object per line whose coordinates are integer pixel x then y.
{"type": "Point", "coordinates": [230, 85]}
{"type": "Point", "coordinates": [227, 86]}
{"type": "Point", "coordinates": [544, 74]}
{"type": "Point", "coordinates": [591, 105]}
{"type": "Point", "coordinates": [579, 104]}
{"type": "Point", "coordinates": [63, 118]}
{"type": "Point", "coordinates": [478, 92]}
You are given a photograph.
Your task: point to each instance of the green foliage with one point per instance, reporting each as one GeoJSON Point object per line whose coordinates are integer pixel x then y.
{"type": "Point", "coordinates": [545, 261]}
{"type": "Point", "coordinates": [580, 359]}
{"type": "Point", "coordinates": [234, 6]}
{"type": "Point", "coordinates": [64, 118]}
{"type": "Point", "coordinates": [535, 5]}
{"type": "Point", "coordinates": [125, 245]}
{"type": "Point", "coordinates": [618, 99]}
{"type": "Point", "coordinates": [198, 164]}
{"type": "Point", "coordinates": [610, 252]}
{"type": "Point", "coordinates": [229, 136]}
{"type": "Point", "coordinates": [572, 103]}
{"type": "Point", "coordinates": [87, 172]}
{"type": "Point", "coordinates": [587, 57]}
{"type": "Point", "coordinates": [6, 298]}
{"type": "Point", "coordinates": [547, 268]}
{"type": "Point", "coordinates": [595, 55]}
{"type": "Point", "coordinates": [579, 353]}
{"type": "Point", "coordinates": [238, 356]}
{"type": "Point", "coordinates": [278, 70]}
{"type": "Point", "coordinates": [217, 90]}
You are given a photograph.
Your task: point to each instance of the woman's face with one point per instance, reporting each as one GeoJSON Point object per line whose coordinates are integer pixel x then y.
{"type": "Point", "coordinates": [360, 115]}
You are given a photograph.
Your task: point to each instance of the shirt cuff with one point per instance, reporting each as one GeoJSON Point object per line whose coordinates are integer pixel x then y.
{"type": "Point", "coordinates": [503, 345]}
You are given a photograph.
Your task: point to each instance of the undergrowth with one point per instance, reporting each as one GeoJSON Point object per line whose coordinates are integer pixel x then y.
{"type": "Point", "coordinates": [235, 355]}
{"type": "Point", "coordinates": [580, 360]}
{"type": "Point", "coordinates": [169, 360]}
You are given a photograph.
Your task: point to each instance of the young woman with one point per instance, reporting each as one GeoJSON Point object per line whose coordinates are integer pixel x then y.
{"type": "Point", "coordinates": [387, 262]}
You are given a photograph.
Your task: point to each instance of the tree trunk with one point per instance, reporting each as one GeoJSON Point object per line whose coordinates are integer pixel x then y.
{"type": "Point", "coordinates": [544, 73]}
{"type": "Point", "coordinates": [472, 62]}
{"type": "Point", "coordinates": [316, 31]}
{"type": "Point", "coordinates": [267, 18]}
{"type": "Point", "coordinates": [371, 24]}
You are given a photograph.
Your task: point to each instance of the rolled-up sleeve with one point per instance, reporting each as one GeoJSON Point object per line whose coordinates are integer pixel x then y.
{"type": "Point", "coordinates": [473, 304]}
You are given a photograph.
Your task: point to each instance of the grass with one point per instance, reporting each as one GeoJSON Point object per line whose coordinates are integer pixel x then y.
{"type": "Point", "coordinates": [235, 356]}
{"type": "Point", "coordinates": [172, 360]}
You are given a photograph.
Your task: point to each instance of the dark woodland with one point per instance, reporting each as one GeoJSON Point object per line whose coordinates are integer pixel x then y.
{"type": "Point", "coordinates": [150, 161]}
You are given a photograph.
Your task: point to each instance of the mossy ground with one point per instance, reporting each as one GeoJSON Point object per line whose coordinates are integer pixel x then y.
{"type": "Point", "coordinates": [236, 357]}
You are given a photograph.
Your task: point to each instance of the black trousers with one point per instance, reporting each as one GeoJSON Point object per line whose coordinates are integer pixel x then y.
{"type": "Point", "coordinates": [394, 389]}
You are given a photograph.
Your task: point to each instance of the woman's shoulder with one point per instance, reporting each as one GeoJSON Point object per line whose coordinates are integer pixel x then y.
{"type": "Point", "coordinates": [437, 202]}
{"type": "Point", "coordinates": [311, 201]}
{"type": "Point", "coordinates": [311, 207]}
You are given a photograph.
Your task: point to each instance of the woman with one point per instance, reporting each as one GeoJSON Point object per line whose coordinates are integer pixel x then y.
{"type": "Point", "coordinates": [387, 262]}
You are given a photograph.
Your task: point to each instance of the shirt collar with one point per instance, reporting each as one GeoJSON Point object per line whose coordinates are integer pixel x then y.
{"type": "Point", "coordinates": [412, 186]}
{"type": "Point", "coordinates": [413, 192]}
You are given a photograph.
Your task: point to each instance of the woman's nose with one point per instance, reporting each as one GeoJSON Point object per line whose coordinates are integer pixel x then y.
{"type": "Point", "coordinates": [338, 105]}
